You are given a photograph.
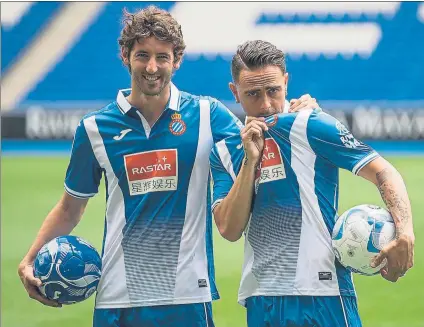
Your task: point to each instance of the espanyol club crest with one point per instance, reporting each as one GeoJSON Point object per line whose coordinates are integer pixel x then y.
{"type": "Point", "coordinates": [177, 126]}
{"type": "Point", "coordinates": [271, 120]}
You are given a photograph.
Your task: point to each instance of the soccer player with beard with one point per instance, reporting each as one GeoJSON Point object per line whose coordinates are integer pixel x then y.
{"type": "Point", "coordinates": [152, 146]}
{"type": "Point", "coordinates": [277, 183]}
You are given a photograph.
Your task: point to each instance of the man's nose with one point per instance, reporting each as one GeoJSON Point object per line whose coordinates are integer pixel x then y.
{"type": "Point", "coordinates": [266, 104]}
{"type": "Point", "coordinates": [152, 66]}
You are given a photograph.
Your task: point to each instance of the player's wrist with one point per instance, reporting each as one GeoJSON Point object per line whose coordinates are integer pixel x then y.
{"type": "Point", "coordinates": [28, 260]}
{"type": "Point", "coordinates": [23, 266]}
{"type": "Point", "coordinates": [250, 162]}
{"type": "Point", "coordinates": [406, 236]}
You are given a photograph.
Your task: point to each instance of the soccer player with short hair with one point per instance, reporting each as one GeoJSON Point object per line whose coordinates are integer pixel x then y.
{"type": "Point", "coordinates": [277, 183]}
{"type": "Point", "coordinates": [152, 146]}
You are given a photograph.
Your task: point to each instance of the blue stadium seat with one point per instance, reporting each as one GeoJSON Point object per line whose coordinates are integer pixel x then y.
{"type": "Point", "coordinates": [92, 70]}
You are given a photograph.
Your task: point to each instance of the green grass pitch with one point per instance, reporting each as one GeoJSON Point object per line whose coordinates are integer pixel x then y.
{"type": "Point", "coordinates": [31, 186]}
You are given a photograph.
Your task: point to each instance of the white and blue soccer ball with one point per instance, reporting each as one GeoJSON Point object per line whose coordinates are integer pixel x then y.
{"type": "Point", "coordinates": [359, 234]}
{"type": "Point", "coordinates": [69, 269]}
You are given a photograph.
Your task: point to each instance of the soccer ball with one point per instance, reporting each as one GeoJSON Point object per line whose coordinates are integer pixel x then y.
{"type": "Point", "coordinates": [69, 269]}
{"type": "Point", "coordinates": [359, 234]}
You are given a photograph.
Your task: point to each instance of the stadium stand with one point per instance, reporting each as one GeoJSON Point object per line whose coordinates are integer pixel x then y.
{"type": "Point", "coordinates": [363, 61]}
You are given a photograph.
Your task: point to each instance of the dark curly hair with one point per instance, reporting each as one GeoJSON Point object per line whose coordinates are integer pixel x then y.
{"type": "Point", "coordinates": [150, 21]}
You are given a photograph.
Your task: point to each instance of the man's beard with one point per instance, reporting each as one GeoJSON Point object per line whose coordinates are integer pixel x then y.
{"type": "Point", "coordinates": [139, 80]}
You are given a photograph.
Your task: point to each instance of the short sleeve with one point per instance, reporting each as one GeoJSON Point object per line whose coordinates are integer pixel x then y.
{"type": "Point", "coordinates": [223, 122]}
{"type": "Point", "coordinates": [84, 172]}
{"type": "Point", "coordinates": [330, 139]}
{"type": "Point", "coordinates": [222, 177]}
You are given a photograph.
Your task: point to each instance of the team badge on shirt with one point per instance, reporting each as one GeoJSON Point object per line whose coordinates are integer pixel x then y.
{"type": "Point", "coordinates": [152, 171]}
{"type": "Point", "coordinates": [271, 120]}
{"type": "Point", "coordinates": [272, 165]}
{"type": "Point", "coordinates": [177, 126]}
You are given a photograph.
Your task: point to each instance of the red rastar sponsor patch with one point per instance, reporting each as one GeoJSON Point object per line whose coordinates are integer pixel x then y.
{"type": "Point", "coordinates": [152, 171]}
{"type": "Point", "coordinates": [272, 165]}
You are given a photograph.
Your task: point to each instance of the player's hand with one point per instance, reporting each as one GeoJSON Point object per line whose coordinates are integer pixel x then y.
{"type": "Point", "coordinates": [400, 257]}
{"type": "Point", "coordinates": [253, 139]}
{"type": "Point", "coordinates": [304, 102]}
{"type": "Point", "coordinates": [31, 284]}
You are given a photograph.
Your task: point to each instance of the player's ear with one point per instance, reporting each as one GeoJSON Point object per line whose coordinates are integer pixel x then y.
{"type": "Point", "coordinates": [177, 62]}
{"type": "Point", "coordinates": [233, 89]}
{"type": "Point", "coordinates": [125, 57]}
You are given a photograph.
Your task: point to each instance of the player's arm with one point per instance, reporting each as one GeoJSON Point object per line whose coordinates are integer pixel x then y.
{"type": "Point", "coordinates": [333, 141]}
{"type": "Point", "coordinates": [233, 212]}
{"type": "Point", "coordinates": [400, 252]}
{"type": "Point", "coordinates": [82, 180]}
{"type": "Point", "coordinates": [60, 221]}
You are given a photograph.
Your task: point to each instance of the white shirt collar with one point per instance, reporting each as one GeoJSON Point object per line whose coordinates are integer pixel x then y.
{"type": "Point", "coordinates": [286, 107]}
{"type": "Point", "coordinates": [125, 106]}
{"type": "Point", "coordinates": [174, 101]}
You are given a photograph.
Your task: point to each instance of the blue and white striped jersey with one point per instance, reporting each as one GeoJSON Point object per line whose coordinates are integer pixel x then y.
{"type": "Point", "coordinates": [288, 238]}
{"type": "Point", "coordinates": [157, 246]}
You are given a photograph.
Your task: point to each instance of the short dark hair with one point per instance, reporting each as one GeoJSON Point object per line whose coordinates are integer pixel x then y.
{"type": "Point", "coordinates": [151, 21]}
{"type": "Point", "coordinates": [255, 54]}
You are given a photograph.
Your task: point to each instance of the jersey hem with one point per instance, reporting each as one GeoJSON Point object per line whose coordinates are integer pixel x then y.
{"type": "Point", "coordinates": [218, 201]}
{"type": "Point", "coordinates": [150, 303]}
{"type": "Point", "coordinates": [364, 161]}
{"type": "Point", "coordinates": [299, 292]}
{"type": "Point", "coordinates": [78, 194]}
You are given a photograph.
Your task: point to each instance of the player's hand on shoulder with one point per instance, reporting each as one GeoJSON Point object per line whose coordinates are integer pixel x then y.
{"type": "Point", "coordinates": [303, 103]}
{"type": "Point", "coordinates": [31, 284]}
{"type": "Point", "coordinates": [252, 136]}
{"type": "Point", "coordinates": [400, 257]}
